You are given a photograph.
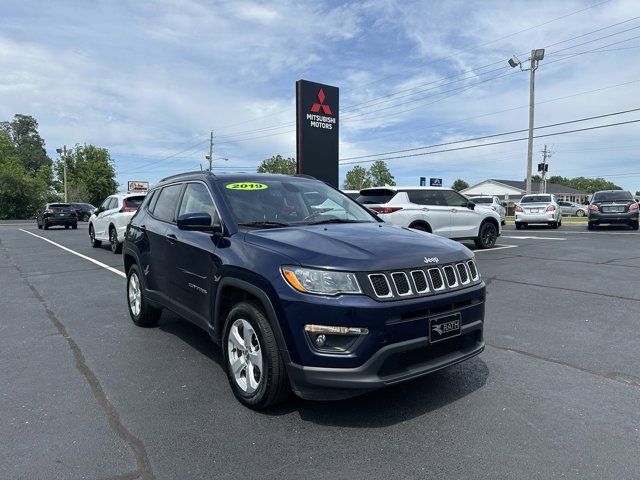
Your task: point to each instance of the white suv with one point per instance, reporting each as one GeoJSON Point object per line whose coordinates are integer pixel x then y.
{"type": "Point", "coordinates": [492, 202]}
{"type": "Point", "coordinates": [437, 210]}
{"type": "Point", "coordinates": [109, 221]}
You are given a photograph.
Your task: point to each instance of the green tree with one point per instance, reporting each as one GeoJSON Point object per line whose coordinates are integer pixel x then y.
{"type": "Point", "coordinates": [21, 193]}
{"type": "Point", "coordinates": [356, 179]}
{"type": "Point", "coordinates": [278, 164]}
{"type": "Point", "coordinates": [459, 184]}
{"type": "Point", "coordinates": [90, 174]}
{"type": "Point", "coordinates": [380, 175]}
{"type": "Point", "coordinates": [28, 145]}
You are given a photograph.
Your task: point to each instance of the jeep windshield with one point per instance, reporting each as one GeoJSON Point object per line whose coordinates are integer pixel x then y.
{"type": "Point", "coordinates": [289, 201]}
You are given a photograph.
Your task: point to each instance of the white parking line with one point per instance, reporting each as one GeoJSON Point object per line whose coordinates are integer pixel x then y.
{"type": "Point", "coordinates": [533, 238]}
{"type": "Point", "coordinates": [497, 247]}
{"type": "Point", "coordinates": [100, 264]}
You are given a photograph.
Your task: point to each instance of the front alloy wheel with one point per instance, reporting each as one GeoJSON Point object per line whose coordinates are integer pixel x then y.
{"type": "Point", "coordinates": [245, 356]}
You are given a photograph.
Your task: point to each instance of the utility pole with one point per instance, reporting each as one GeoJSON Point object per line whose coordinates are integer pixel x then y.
{"type": "Point", "coordinates": [210, 156]}
{"type": "Point", "coordinates": [536, 56]}
{"type": "Point", "coordinates": [63, 152]}
{"type": "Point", "coordinates": [545, 155]}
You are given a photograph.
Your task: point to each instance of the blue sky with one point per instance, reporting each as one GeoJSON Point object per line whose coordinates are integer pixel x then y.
{"type": "Point", "coordinates": [149, 80]}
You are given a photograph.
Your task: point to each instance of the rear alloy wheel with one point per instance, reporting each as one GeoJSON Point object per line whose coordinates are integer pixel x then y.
{"type": "Point", "coordinates": [255, 369]}
{"type": "Point", "coordinates": [92, 236]}
{"type": "Point", "coordinates": [487, 235]}
{"type": "Point", "coordinates": [580, 213]}
{"type": "Point", "coordinates": [142, 314]}
{"type": "Point", "coordinates": [116, 247]}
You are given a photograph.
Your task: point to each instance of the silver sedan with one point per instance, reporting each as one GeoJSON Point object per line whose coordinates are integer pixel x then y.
{"type": "Point", "coordinates": [538, 208]}
{"type": "Point", "coordinates": [573, 209]}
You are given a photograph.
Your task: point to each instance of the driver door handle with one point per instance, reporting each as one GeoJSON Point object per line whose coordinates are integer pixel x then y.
{"type": "Point", "coordinates": [171, 238]}
{"type": "Point", "coordinates": [453, 210]}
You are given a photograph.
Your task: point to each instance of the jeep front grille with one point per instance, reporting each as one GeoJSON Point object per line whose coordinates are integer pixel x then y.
{"type": "Point", "coordinates": [418, 282]}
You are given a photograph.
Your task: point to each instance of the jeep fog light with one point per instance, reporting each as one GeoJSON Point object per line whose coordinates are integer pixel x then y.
{"type": "Point", "coordinates": [332, 339]}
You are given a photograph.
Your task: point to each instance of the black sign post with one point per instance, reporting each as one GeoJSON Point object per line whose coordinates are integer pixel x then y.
{"type": "Point", "coordinates": [317, 130]}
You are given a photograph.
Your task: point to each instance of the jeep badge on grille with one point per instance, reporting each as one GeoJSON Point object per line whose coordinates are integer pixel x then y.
{"type": "Point", "coordinates": [428, 260]}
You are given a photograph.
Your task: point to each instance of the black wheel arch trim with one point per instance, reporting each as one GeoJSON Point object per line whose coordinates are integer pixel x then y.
{"type": "Point", "coordinates": [264, 300]}
{"type": "Point", "coordinates": [492, 220]}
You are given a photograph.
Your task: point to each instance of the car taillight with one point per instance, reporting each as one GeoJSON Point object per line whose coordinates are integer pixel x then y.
{"type": "Point", "coordinates": [633, 206]}
{"type": "Point", "coordinates": [518, 208]}
{"type": "Point", "coordinates": [551, 208]}
{"type": "Point", "coordinates": [386, 209]}
{"type": "Point", "coordinates": [593, 208]}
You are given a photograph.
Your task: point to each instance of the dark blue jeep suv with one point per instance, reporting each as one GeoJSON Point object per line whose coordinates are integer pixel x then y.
{"type": "Point", "coordinates": [302, 287]}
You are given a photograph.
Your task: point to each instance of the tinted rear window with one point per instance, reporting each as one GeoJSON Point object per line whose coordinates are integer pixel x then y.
{"type": "Point", "coordinates": [375, 196]}
{"type": "Point", "coordinates": [481, 200]}
{"type": "Point", "coordinates": [60, 207]}
{"type": "Point", "coordinates": [134, 202]}
{"type": "Point", "coordinates": [612, 196]}
{"type": "Point", "coordinates": [536, 199]}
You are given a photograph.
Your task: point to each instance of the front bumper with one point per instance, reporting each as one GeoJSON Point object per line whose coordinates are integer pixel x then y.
{"type": "Point", "coordinates": [396, 349]}
{"type": "Point", "coordinates": [600, 217]}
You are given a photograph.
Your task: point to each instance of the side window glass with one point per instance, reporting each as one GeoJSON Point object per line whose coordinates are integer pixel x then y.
{"type": "Point", "coordinates": [115, 204]}
{"type": "Point", "coordinates": [453, 199]}
{"type": "Point", "coordinates": [105, 204]}
{"type": "Point", "coordinates": [196, 199]}
{"type": "Point", "coordinates": [426, 197]}
{"type": "Point", "coordinates": [167, 202]}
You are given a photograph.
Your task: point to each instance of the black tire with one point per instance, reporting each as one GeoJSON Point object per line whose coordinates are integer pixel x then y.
{"type": "Point", "coordinates": [591, 226]}
{"type": "Point", "coordinates": [487, 235]}
{"type": "Point", "coordinates": [39, 227]}
{"type": "Point", "coordinates": [45, 226]}
{"type": "Point", "coordinates": [92, 238]}
{"type": "Point", "coordinates": [518, 226]}
{"type": "Point", "coordinates": [503, 222]}
{"type": "Point", "coordinates": [273, 386]}
{"type": "Point", "coordinates": [553, 225]}
{"type": "Point", "coordinates": [634, 225]}
{"type": "Point", "coordinates": [145, 315]}
{"type": "Point", "coordinates": [74, 226]}
{"type": "Point", "coordinates": [116, 247]}
{"type": "Point", "coordinates": [85, 217]}
{"type": "Point", "coordinates": [66, 227]}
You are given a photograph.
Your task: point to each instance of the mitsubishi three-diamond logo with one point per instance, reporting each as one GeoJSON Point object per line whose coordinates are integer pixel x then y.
{"type": "Point", "coordinates": [321, 121]}
{"type": "Point", "coordinates": [315, 108]}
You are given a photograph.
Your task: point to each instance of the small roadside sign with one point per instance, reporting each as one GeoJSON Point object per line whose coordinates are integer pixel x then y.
{"type": "Point", "coordinates": [435, 182]}
{"type": "Point", "coordinates": [138, 186]}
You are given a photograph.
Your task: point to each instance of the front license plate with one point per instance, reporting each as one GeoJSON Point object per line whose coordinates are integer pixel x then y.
{"type": "Point", "coordinates": [441, 328]}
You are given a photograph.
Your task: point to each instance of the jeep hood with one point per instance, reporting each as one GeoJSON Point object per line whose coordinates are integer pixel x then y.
{"type": "Point", "coordinates": [358, 246]}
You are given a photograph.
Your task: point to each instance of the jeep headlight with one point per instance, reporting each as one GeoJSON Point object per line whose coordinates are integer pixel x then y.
{"type": "Point", "coordinates": [321, 282]}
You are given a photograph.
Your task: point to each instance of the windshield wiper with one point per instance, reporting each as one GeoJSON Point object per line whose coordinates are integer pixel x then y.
{"type": "Point", "coordinates": [264, 224]}
{"type": "Point", "coordinates": [337, 220]}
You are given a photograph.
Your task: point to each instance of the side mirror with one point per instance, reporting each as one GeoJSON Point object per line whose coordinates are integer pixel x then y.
{"type": "Point", "coordinates": [198, 221]}
{"type": "Point", "coordinates": [97, 211]}
{"type": "Point", "coordinates": [471, 205]}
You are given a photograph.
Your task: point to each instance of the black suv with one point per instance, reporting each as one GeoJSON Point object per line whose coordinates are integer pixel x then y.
{"type": "Point", "coordinates": [613, 207]}
{"type": "Point", "coordinates": [53, 214]}
{"type": "Point", "coordinates": [302, 287]}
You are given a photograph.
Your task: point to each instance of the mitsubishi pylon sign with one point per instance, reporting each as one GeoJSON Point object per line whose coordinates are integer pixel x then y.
{"type": "Point", "coordinates": [317, 130]}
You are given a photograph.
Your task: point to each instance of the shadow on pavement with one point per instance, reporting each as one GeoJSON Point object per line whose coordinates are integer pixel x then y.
{"type": "Point", "coordinates": [375, 409]}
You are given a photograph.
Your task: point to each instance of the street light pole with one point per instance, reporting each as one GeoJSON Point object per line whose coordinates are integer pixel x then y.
{"type": "Point", "coordinates": [63, 153]}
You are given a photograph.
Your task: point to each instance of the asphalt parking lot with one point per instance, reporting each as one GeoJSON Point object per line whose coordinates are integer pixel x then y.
{"type": "Point", "coordinates": [556, 393]}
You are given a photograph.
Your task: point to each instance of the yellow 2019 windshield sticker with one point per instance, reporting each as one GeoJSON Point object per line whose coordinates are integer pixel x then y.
{"type": "Point", "coordinates": [246, 186]}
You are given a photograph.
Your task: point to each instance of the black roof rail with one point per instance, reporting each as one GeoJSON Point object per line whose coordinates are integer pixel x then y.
{"type": "Point", "coordinates": [304, 175]}
{"type": "Point", "coordinates": [193, 172]}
